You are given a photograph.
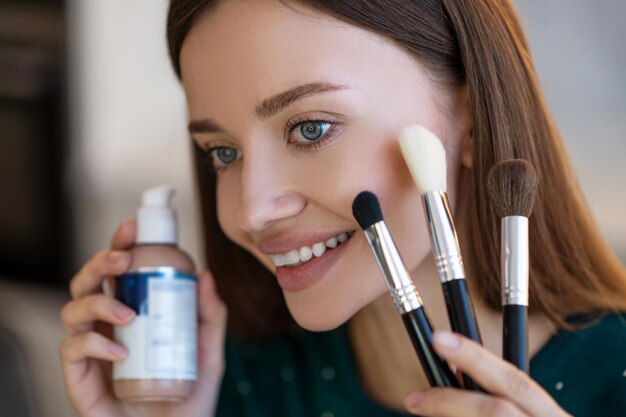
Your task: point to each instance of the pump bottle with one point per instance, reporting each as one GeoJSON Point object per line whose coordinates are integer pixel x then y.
{"type": "Point", "coordinates": [160, 286]}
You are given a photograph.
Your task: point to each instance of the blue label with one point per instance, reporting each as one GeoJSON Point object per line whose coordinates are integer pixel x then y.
{"type": "Point", "coordinates": [132, 288]}
{"type": "Point", "coordinates": [162, 339]}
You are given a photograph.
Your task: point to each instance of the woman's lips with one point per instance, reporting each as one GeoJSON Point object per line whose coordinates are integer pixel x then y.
{"type": "Point", "coordinates": [299, 277]}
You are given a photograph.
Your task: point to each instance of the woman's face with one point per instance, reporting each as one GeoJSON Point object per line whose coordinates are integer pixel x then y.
{"type": "Point", "coordinates": [300, 112]}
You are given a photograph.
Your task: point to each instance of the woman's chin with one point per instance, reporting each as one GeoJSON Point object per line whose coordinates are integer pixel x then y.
{"type": "Point", "coordinates": [318, 317]}
{"type": "Point", "coordinates": [318, 313]}
{"type": "Point", "coordinates": [317, 324]}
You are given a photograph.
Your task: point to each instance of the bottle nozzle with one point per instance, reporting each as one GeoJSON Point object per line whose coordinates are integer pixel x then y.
{"type": "Point", "coordinates": [159, 196]}
{"type": "Point", "coordinates": [156, 220]}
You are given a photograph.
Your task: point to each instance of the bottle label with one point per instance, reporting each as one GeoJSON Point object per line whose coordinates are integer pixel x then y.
{"type": "Point", "coordinates": [161, 340]}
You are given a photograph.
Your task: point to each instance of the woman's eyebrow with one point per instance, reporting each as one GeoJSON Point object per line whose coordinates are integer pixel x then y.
{"type": "Point", "coordinates": [275, 104]}
{"type": "Point", "coordinates": [271, 105]}
{"type": "Point", "coordinates": [204, 126]}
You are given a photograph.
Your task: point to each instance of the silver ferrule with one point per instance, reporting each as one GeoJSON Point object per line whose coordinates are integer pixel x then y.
{"type": "Point", "coordinates": [443, 236]}
{"type": "Point", "coordinates": [397, 277]}
{"type": "Point", "coordinates": [514, 262]}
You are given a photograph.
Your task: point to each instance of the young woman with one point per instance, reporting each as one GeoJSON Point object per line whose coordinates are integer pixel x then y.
{"type": "Point", "coordinates": [295, 107]}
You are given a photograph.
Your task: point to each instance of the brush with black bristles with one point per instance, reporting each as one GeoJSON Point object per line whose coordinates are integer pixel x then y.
{"type": "Point", "coordinates": [512, 187]}
{"type": "Point", "coordinates": [367, 212]}
{"type": "Point", "coordinates": [425, 157]}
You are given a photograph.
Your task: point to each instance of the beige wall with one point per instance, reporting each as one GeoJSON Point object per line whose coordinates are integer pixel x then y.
{"type": "Point", "coordinates": [128, 119]}
{"type": "Point", "coordinates": [579, 47]}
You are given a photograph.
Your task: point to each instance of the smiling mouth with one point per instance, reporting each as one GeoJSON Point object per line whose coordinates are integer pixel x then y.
{"type": "Point", "coordinates": [305, 254]}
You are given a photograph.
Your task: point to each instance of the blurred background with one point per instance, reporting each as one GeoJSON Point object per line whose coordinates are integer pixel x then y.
{"type": "Point", "coordinates": [91, 114]}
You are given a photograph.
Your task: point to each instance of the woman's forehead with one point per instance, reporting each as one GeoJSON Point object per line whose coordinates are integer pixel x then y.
{"type": "Point", "coordinates": [254, 49]}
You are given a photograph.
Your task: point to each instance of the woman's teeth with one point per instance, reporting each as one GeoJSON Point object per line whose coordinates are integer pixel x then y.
{"type": "Point", "coordinates": [306, 253]}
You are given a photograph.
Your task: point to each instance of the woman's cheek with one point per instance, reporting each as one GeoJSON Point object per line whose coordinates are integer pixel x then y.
{"type": "Point", "coordinates": [227, 203]}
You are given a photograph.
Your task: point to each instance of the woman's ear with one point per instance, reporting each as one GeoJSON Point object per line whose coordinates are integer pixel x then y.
{"type": "Point", "coordinates": [467, 143]}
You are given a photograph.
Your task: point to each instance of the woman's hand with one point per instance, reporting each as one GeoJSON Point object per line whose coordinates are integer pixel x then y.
{"type": "Point", "coordinates": [513, 393]}
{"type": "Point", "coordinates": [88, 351]}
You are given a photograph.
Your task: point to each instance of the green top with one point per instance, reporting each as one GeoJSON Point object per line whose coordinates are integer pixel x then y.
{"type": "Point", "coordinates": [313, 374]}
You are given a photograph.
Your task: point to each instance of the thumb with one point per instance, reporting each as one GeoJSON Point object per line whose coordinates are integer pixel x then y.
{"type": "Point", "coordinates": [459, 376]}
{"type": "Point", "coordinates": [212, 314]}
{"type": "Point", "coordinates": [211, 308]}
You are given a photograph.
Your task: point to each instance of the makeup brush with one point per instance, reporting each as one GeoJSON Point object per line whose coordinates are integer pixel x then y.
{"type": "Point", "coordinates": [367, 212]}
{"type": "Point", "coordinates": [425, 157]}
{"type": "Point", "coordinates": [512, 187]}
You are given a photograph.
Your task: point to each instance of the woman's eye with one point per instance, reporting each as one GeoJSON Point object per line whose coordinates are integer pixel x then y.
{"type": "Point", "coordinates": [309, 131]}
{"type": "Point", "coordinates": [223, 156]}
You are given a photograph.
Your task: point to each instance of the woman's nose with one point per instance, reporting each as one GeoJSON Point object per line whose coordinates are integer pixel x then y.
{"type": "Point", "coordinates": [268, 193]}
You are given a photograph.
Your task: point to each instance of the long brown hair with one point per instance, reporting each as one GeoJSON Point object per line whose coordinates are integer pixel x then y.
{"type": "Point", "coordinates": [479, 44]}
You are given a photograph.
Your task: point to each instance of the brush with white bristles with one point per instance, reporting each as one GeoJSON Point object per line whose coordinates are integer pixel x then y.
{"type": "Point", "coordinates": [425, 157]}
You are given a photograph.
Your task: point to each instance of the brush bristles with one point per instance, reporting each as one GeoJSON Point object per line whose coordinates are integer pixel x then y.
{"type": "Point", "coordinates": [366, 209]}
{"type": "Point", "coordinates": [426, 158]}
{"type": "Point", "coordinates": [512, 187]}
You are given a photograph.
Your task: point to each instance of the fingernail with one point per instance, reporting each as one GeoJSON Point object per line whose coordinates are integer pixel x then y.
{"type": "Point", "coordinates": [122, 312]}
{"type": "Point", "coordinates": [415, 399]}
{"type": "Point", "coordinates": [447, 339]}
{"type": "Point", "coordinates": [123, 224]}
{"type": "Point", "coordinates": [117, 350]}
{"type": "Point", "coordinates": [116, 256]}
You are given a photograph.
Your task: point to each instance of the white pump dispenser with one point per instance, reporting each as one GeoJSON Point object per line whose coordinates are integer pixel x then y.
{"type": "Point", "coordinates": [156, 219]}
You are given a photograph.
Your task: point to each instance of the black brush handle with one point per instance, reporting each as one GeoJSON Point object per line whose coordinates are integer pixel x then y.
{"type": "Point", "coordinates": [462, 317]}
{"type": "Point", "coordinates": [515, 336]}
{"type": "Point", "coordinates": [421, 333]}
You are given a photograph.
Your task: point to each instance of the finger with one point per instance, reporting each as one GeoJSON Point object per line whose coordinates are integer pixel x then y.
{"type": "Point", "coordinates": [77, 348]}
{"type": "Point", "coordinates": [211, 308]}
{"type": "Point", "coordinates": [79, 315]}
{"type": "Point", "coordinates": [495, 374]}
{"type": "Point", "coordinates": [124, 236]}
{"type": "Point", "coordinates": [211, 333]}
{"type": "Point", "coordinates": [449, 402]}
{"type": "Point", "coordinates": [89, 279]}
